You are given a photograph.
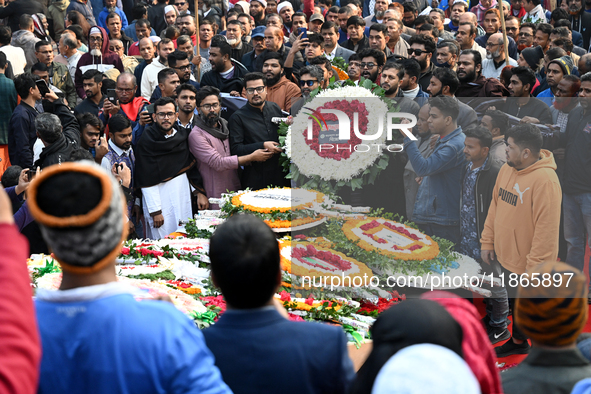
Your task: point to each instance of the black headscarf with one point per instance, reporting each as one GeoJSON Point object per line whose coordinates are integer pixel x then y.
{"type": "Point", "coordinates": [409, 323]}
{"type": "Point", "coordinates": [159, 159]}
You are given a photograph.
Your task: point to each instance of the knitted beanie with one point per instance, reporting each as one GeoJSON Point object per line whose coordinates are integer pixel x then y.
{"type": "Point", "coordinates": [80, 210]}
{"type": "Point", "coordinates": [532, 56]}
{"type": "Point", "coordinates": [566, 64]}
{"type": "Point", "coordinates": [554, 311]}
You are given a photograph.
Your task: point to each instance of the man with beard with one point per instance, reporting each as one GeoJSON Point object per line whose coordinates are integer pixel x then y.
{"type": "Point", "coordinates": [186, 24]}
{"type": "Point", "coordinates": [91, 136]}
{"type": "Point", "coordinates": [410, 14]}
{"type": "Point", "coordinates": [99, 57]}
{"type": "Point", "coordinates": [147, 51]}
{"type": "Point", "coordinates": [529, 109]}
{"type": "Point", "coordinates": [497, 123]}
{"type": "Point", "coordinates": [128, 105]}
{"type": "Point", "coordinates": [165, 172]}
{"type": "Point", "coordinates": [257, 11]}
{"type": "Point", "coordinates": [457, 9]}
{"type": "Point", "coordinates": [92, 81]}
{"type": "Point", "coordinates": [225, 74]}
{"type": "Point", "coordinates": [473, 84]}
{"type": "Point", "coordinates": [542, 35]}
{"type": "Point", "coordinates": [380, 8]}
{"type": "Point", "coordinates": [372, 61]}
{"type": "Point", "coordinates": [234, 38]}
{"type": "Point", "coordinates": [447, 55]}
{"type": "Point", "coordinates": [492, 25]}
{"type": "Point", "coordinates": [111, 6]}
{"type": "Point", "coordinates": [466, 36]}
{"type": "Point", "coordinates": [422, 49]}
{"type": "Point", "coordinates": [445, 83]}
{"type": "Point", "coordinates": [251, 129]}
{"type": "Point", "coordinates": [410, 85]}
{"type": "Point", "coordinates": [326, 67]}
{"type": "Point", "coordinates": [577, 177]}
{"type": "Point", "coordinates": [495, 57]}
{"type": "Point", "coordinates": [150, 74]}
{"type": "Point", "coordinates": [210, 145]}
{"type": "Point", "coordinates": [311, 78]}
{"type": "Point", "coordinates": [557, 69]}
{"type": "Point", "coordinates": [441, 173]}
{"type": "Point", "coordinates": [279, 89]}
{"type": "Point", "coordinates": [411, 186]}
{"type": "Point", "coordinates": [185, 99]}
{"type": "Point", "coordinates": [179, 62]}
{"type": "Point", "coordinates": [258, 42]}
{"type": "Point", "coordinates": [390, 77]}
{"type": "Point", "coordinates": [285, 11]}
{"type": "Point", "coordinates": [120, 151]}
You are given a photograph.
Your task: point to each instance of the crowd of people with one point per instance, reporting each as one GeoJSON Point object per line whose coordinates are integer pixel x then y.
{"type": "Point", "coordinates": [178, 108]}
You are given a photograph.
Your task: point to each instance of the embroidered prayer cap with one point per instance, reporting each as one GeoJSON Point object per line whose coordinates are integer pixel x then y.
{"type": "Point", "coordinates": [263, 2]}
{"type": "Point", "coordinates": [566, 64]}
{"type": "Point", "coordinates": [555, 314]}
{"type": "Point", "coordinates": [532, 56]}
{"type": "Point", "coordinates": [80, 210]}
{"type": "Point", "coordinates": [282, 5]}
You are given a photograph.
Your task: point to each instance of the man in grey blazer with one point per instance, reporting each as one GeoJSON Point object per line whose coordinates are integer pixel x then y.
{"type": "Point", "coordinates": [330, 33]}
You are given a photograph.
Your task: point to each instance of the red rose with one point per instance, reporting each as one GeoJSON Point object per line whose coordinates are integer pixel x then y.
{"type": "Point", "coordinates": [124, 250]}
{"type": "Point", "coordinates": [285, 296]}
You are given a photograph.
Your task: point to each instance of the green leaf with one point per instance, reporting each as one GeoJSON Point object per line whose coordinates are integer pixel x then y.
{"type": "Point", "coordinates": [356, 183]}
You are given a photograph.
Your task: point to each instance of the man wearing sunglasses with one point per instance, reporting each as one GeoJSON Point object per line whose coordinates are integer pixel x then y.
{"type": "Point", "coordinates": [251, 129]}
{"type": "Point", "coordinates": [422, 49]}
{"type": "Point", "coordinates": [311, 78]}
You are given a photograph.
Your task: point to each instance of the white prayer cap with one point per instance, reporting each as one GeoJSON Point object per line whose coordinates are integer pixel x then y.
{"type": "Point", "coordinates": [95, 30]}
{"type": "Point", "coordinates": [282, 5]}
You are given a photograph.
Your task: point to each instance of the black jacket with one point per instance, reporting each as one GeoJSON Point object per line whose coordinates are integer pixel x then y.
{"type": "Point", "coordinates": [577, 171]}
{"type": "Point", "coordinates": [249, 129]}
{"type": "Point", "coordinates": [485, 184]}
{"type": "Point", "coordinates": [363, 44]}
{"type": "Point", "coordinates": [14, 10]}
{"type": "Point", "coordinates": [60, 151]}
{"type": "Point", "coordinates": [213, 78]}
{"type": "Point", "coordinates": [583, 26]}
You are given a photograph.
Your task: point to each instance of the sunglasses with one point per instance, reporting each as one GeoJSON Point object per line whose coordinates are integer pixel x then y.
{"type": "Point", "coordinates": [308, 83]}
{"type": "Point", "coordinates": [417, 52]}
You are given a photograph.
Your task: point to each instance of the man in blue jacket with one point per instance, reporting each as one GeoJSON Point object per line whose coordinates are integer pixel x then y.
{"type": "Point", "coordinates": [437, 207]}
{"type": "Point", "coordinates": [257, 349]}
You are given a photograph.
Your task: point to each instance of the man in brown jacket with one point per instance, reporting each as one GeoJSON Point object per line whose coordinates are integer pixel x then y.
{"type": "Point", "coordinates": [279, 89]}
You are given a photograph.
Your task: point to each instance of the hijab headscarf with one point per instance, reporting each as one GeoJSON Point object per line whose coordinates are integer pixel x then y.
{"type": "Point", "coordinates": [478, 352]}
{"type": "Point", "coordinates": [425, 368]}
{"type": "Point", "coordinates": [411, 322]}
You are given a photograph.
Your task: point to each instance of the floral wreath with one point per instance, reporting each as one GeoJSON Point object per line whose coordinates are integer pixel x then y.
{"type": "Point", "coordinates": [344, 165]}
{"type": "Point", "coordinates": [378, 234]}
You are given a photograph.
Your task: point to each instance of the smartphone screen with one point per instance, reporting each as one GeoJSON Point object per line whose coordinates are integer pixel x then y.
{"type": "Point", "coordinates": [112, 96]}
{"type": "Point", "coordinates": [42, 85]}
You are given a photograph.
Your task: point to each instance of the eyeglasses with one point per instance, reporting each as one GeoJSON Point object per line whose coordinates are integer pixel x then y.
{"type": "Point", "coordinates": [209, 107]}
{"type": "Point", "coordinates": [164, 115]}
{"type": "Point", "coordinates": [187, 67]}
{"type": "Point", "coordinates": [489, 45]}
{"type": "Point", "coordinates": [309, 82]}
{"type": "Point", "coordinates": [417, 52]}
{"type": "Point", "coordinates": [258, 89]}
{"type": "Point", "coordinates": [511, 28]}
{"type": "Point", "coordinates": [95, 39]}
{"type": "Point", "coordinates": [525, 35]}
{"type": "Point", "coordinates": [368, 65]}
{"type": "Point", "coordinates": [120, 90]}
{"type": "Point", "coordinates": [180, 4]}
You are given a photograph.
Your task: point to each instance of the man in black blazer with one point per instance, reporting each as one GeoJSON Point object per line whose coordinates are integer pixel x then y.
{"type": "Point", "coordinates": [581, 20]}
{"type": "Point", "coordinates": [256, 348]}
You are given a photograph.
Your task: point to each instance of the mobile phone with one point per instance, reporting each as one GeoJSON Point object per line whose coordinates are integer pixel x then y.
{"type": "Point", "coordinates": [303, 30]}
{"type": "Point", "coordinates": [31, 173]}
{"type": "Point", "coordinates": [42, 85]}
{"type": "Point", "coordinates": [150, 108]}
{"type": "Point", "coordinates": [112, 96]}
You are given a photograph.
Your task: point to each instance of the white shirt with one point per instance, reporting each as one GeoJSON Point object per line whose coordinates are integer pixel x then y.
{"type": "Point", "coordinates": [332, 54]}
{"type": "Point", "coordinates": [538, 14]}
{"type": "Point", "coordinates": [72, 63]}
{"type": "Point", "coordinates": [17, 58]}
{"type": "Point", "coordinates": [150, 78]}
{"type": "Point", "coordinates": [489, 70]}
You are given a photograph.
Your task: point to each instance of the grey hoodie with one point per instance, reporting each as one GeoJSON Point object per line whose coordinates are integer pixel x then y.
{"type": "Point", "coordinates": [26, 40]}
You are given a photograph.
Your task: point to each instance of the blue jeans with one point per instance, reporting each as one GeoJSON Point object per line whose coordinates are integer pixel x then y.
{"type": "Point", "coordinates": [451, 233]}
{"type": "Point", "coordinates": [577, 223]}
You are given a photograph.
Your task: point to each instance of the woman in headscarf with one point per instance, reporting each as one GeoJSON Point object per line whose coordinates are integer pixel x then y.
{"type": "Point", "coordinates": [409, 323]}
{"type": "Point", "coordinates": [476, 348]}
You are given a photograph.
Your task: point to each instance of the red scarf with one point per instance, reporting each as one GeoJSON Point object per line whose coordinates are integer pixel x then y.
{"type": "Point", "coordinates": [133, 108]}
